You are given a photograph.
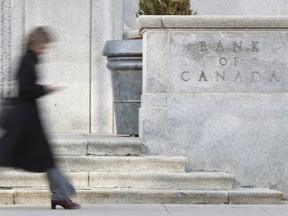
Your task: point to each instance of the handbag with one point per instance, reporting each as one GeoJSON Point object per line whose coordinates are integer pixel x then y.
{"type": "Point", "coordinates": [6, 111]}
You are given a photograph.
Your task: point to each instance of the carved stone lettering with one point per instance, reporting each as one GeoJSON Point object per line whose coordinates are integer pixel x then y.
{"type": "Point", "coordinates": [231, 76]}
{"type": "Point", "coordinates": [236, 59]}
{"type": "Point", "coordinates": [274, 78]}
{"type": "Point", "coordinates": [220, 47]}
{"type": "Point", "coordinates": [256, 76]}
{"type": "Point", "coordinates": [223, 61]}
{"type": "Point", "coordinates": [237, 46]}
{"type": "Point", "coordinates": [221, 76]}
{"type": "Point", "coordinates": [238, 77]}
{"type": "Point", "coordinates": [203, 76]}
{"type": "Point", "coordinates": [229, 61]}
{"type": "Point", "coordinates": [185, 76]}
{"type": "Point", "coordinates": [254, 46]}
{"type": "Point", "coordinates": [203, 46]}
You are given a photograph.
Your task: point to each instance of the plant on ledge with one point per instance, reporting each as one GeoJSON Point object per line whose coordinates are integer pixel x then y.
{"type": "Point", "coordinates": [164, 7]}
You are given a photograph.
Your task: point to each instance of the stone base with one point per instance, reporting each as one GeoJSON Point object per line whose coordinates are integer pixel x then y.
{"type": "Point", "coordinates": [132, 196]}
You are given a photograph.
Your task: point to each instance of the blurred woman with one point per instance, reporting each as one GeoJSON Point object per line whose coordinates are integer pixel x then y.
{"type": "Point", "coordinates": [24, 144]}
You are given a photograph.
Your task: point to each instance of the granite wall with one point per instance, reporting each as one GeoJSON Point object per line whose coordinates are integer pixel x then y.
{"type": "Point", "coordinates": [215, 91]}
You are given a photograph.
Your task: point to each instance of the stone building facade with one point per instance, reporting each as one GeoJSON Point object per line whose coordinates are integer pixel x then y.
{"type": "Point", "coordinates": [75, 61]}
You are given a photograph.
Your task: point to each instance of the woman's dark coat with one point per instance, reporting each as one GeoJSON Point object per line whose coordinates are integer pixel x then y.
{"type": "Point", "coordinates": [24, 144]}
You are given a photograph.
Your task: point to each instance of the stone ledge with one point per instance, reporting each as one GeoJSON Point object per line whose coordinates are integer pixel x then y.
{"type": "Point", "coordinates": [82, 180]}
{"type": "Point", "coordinates": [129, 196]}
{"type": "Point", "coordinates": [82, 145]}
{"type": "Point", "coordinates": [114, 196]}
{"type": "Point", "coordinates": [123, 164]}
{"type": "Point", "coordinates": [212, 22]}
{"type": "Point", "coordinates": [255, 196]}
{"type": "Point", "coordinates": [22, 179]}
{"type": "Point", "coordinates": [7, 197]}
{"type": "Point", "coordinates": [214, 181]}
{"type": "Point", "coordinates": [122, 48]}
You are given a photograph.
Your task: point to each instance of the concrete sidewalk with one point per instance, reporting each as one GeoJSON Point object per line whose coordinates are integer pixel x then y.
{"type": "Point", "coordinates": [150, 210]}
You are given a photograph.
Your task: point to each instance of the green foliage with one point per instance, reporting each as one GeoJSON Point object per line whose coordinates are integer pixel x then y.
{"type": "Point", "coordinates": [164, 7]}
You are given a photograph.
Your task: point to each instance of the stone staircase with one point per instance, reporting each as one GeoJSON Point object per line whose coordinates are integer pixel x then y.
{"type": "Point", "coordinates": [111, 169]}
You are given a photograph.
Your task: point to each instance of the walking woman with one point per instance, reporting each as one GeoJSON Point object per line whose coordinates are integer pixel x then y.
{"type": "Point", "coordinates": [24, 143]}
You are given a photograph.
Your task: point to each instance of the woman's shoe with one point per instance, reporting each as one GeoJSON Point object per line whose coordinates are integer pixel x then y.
{"type": "Point", "coordinates": [66, 204]}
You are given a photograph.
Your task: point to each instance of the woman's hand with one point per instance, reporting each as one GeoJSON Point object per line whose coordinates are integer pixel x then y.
{"type": "Point", "coordinates": [51, 89]}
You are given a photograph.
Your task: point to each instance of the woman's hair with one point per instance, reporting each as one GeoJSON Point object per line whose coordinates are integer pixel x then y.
{"type": "Point", "coordinates": [39, 35]}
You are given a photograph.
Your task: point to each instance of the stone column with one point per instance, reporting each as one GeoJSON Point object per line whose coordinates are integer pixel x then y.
{"type": "Point", "coordinates": [1, 50]}
{"type": "Point", "coordinates": [107, 24]}
{"type": "Point", "coordinates": [5, 47]}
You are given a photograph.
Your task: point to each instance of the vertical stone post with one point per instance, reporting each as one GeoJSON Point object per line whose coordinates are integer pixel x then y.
{"type": "Point", "coordinates": [107, 24]}
{"type": "Point", "coordinates": [5, 47]}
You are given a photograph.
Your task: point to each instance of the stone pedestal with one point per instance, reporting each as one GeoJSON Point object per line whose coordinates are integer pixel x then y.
{"type": "Point", "coordinates": [125, 63]}
{"type": "Point", "coordinates": [215, 91]}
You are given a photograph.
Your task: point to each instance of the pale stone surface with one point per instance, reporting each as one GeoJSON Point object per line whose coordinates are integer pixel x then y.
{"type": "Point", "coordinates": [211, 22]}
{"type": "Point", "coordinates": [124, 164]}
{"type": "Point", "coordinates": [101, 88]}
{"type": "Point", "coordinates": [149, 209]}
{"type": "Point", "coordinates": [115, 149]}
{"type": "Point", "coordinates": [218, 7]}
{"type": "Point", "coordinates": [21, 179]}
{"type": "Point", "coordinates": [244, 7]}
{"type": "Point", "coordinates": [129, 16]}
{"type": "Point", "coordinates": [228, 62]}
{"type": "Point", "coordinates": [32, 197]}
{"type": "Point", "coordinates": [134, 196]}
{"type": "Point", "coordinates": [7, 197]}
{"type": "Point", "coordinates": [69, 145]}
{"type": "Point", "coordinates": [152, 197]}
{"type": "Point", "coordinates": [155, 48]}
{"type": "Point", "coordinates": [99, 145]}
{"type": "Point", "coordinates": [66, 66]}
{"type": "Point", "coordinates": [69, 149]}
{"type": "Point", "coordinates": [171, 181]}
{"type": "Point", "coordinates": [255, 196]}
{"type": "Point", "coordinates": [237, 130]}
{"type": "Point", "coordinates": [17, 31]}
{"type": "Point", "coordinates": [88, 96]}
{"type": "Point", "coordinates": [236, 127]}
{"type": "Point", "coordinates": [221, 210]}
{"type": "Point", "coordinates": [1, 46]}
{"type": "Point", "coordinates": [86, 103]}
{"type": "Point", "coordinates": [5, 62]}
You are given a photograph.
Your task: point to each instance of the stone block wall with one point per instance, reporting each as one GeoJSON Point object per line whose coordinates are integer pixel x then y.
{"type": "Point", "coordinates": [215, 91]}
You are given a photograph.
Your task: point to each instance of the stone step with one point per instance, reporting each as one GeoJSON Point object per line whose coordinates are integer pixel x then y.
{"type": "Point", "coordinates": [148, 164]}
{"type": "Point", "coordinates": [172, 181]}
{"type": "Point", "coordinates": [108, 145]}
{"type": "Point", "coordinates": [255, 196]}
{"type": "Point", "coordinates": [129, 196]}
{"type": "Point", "coordinates": [22, 179]}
